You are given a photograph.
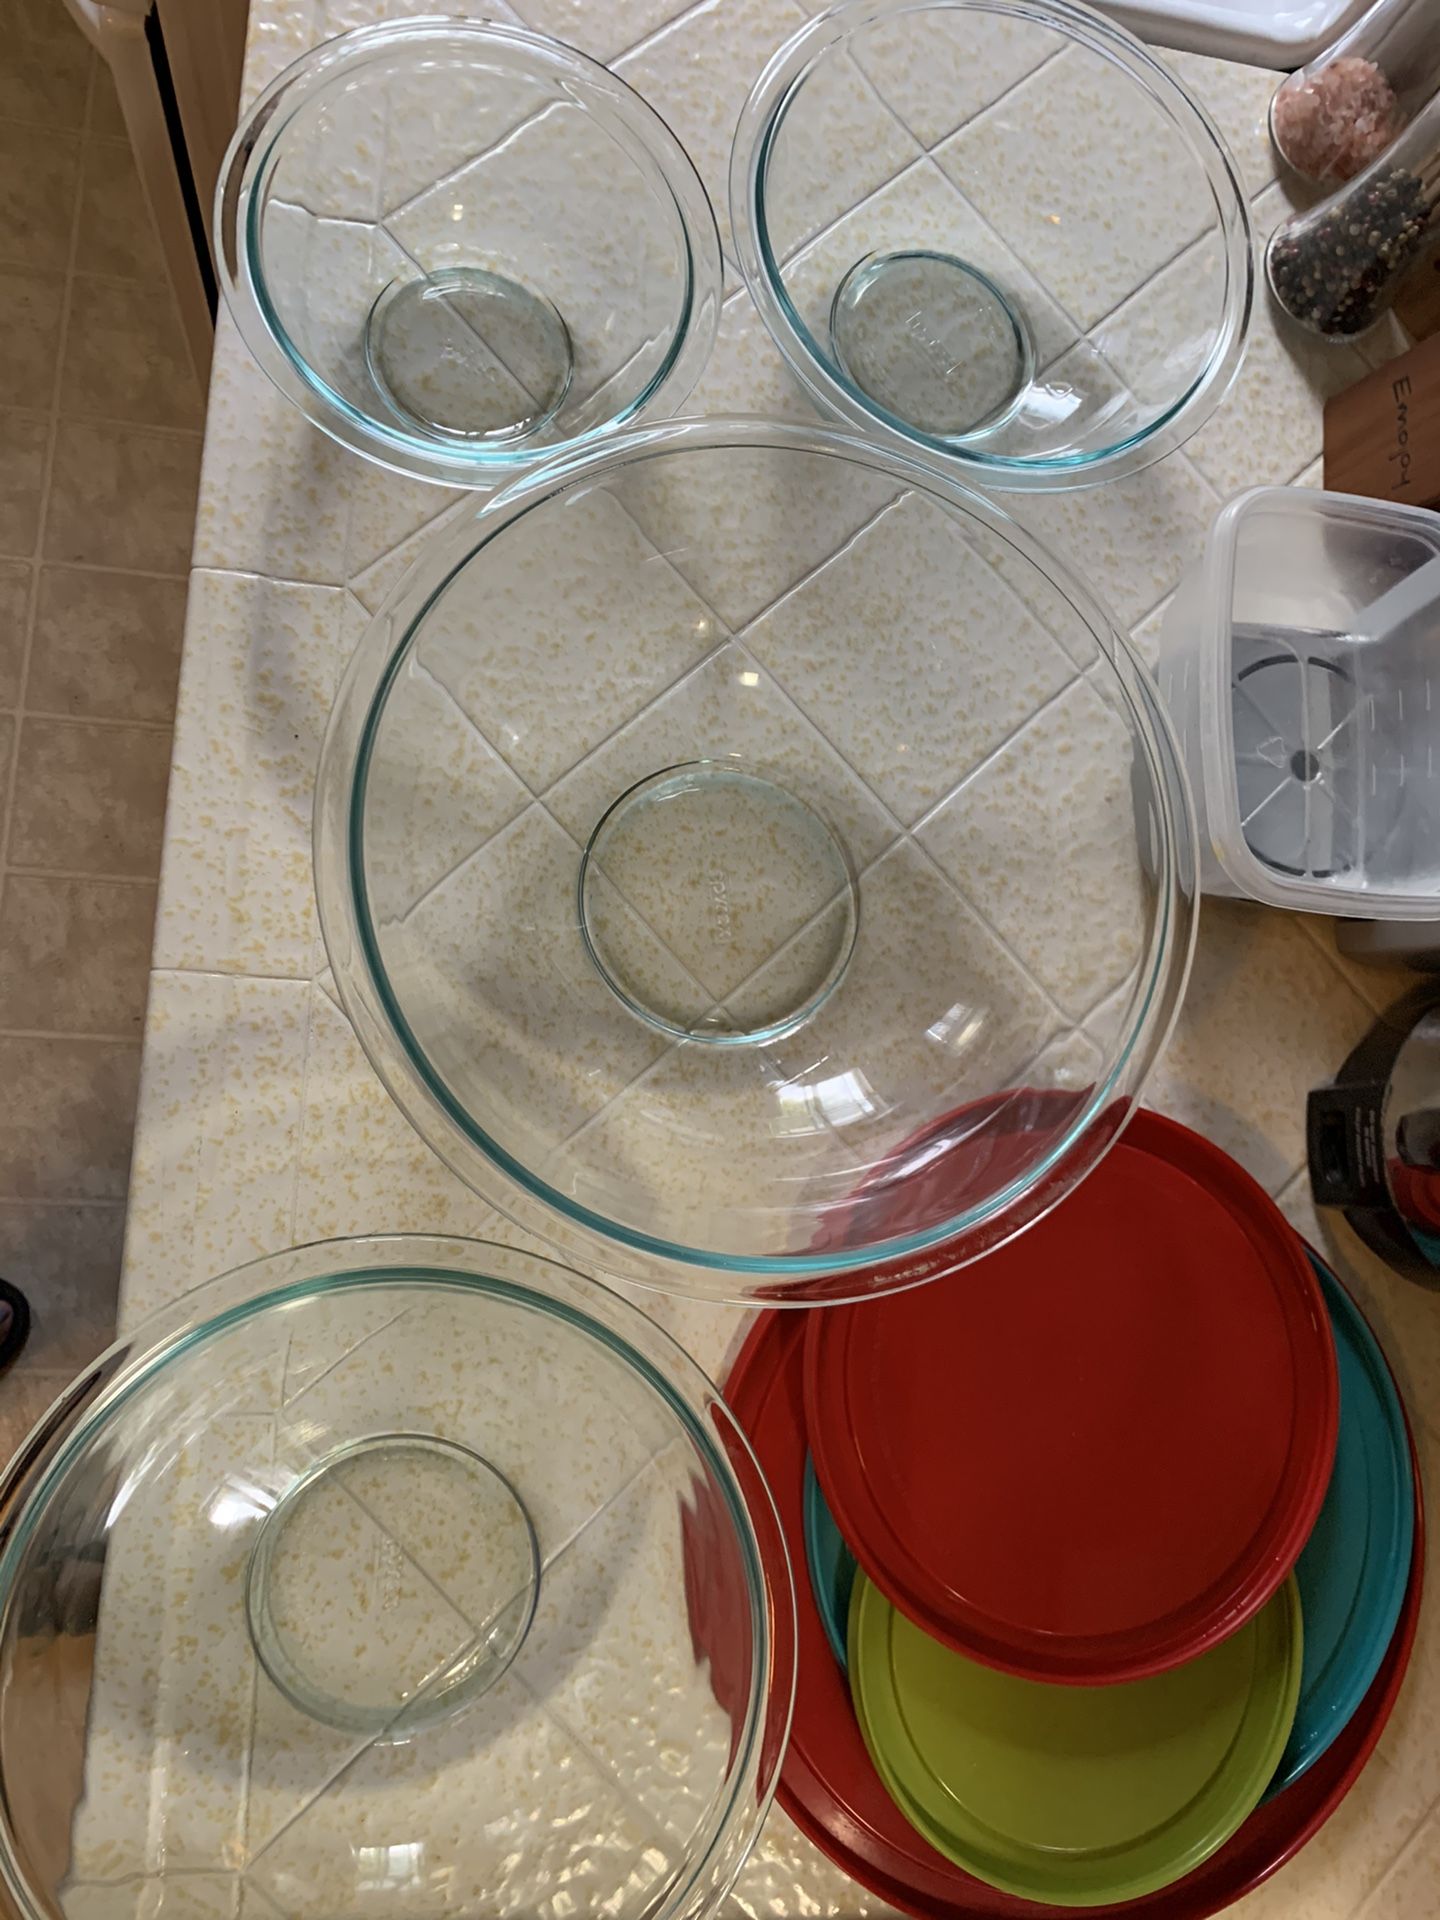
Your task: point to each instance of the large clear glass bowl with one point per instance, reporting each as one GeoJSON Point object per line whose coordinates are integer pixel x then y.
{"type": "Point", "coordinates": [455, 243]}
{"type": "Point", "coordinates": [388, 1577]}
{"type": "Point", "coordinates": [700, 823]}
{"type": "Point", "coordinates": [996, 230]}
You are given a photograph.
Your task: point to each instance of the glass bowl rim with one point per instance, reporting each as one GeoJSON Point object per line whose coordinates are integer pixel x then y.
{"type": "Point", "coordinates": [461, 1265]}
{"type": "Point", "coordinates": [760, 119]}
{"type": "Point", "coordinates": [250, 160]}
{"type": "Point", "coordinates": [384, 1031]}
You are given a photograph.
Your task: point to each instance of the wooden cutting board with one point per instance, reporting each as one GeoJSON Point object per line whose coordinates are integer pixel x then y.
{"type": "Point", "coordinates": [1382, 436]}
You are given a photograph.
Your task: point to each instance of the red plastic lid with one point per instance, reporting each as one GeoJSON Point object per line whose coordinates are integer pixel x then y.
{"type": "Point", "coordinates": [827, 1784]}
{"type": "Point", "coordinates": [831, 1791]}
{"type": "Point", "coordinates": [1098, 1452]}
{"type": "Point", "coordinates": [1279, 1828]}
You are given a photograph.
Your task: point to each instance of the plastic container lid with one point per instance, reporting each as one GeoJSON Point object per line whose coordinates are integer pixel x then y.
{"type": "Point", "coordinates": [1074, 1795]}
{"type": "Point", "coordinates": [827, 1784]}
{"type": "Point", "coordinates": [830, 1566]}
{"type": "Point", "coordinates": [365, 1571]}
{"type": "Point", "coordinates": [1103, 1454]}
{"type": "Point", "coordinates": [1352, 1573]}
{"type": "Point", "coordinates": [1257, 33]}
{"type": "Point", "coordinates": [829, 1788]}
{"type": "Point", "coordinates": [1298, 666]}
{"type": "Point", "coordinates": [1355, 1566]}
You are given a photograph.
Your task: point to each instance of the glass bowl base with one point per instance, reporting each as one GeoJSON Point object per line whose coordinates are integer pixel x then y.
{"type": "Point", "coordinates": [717, 905]}
{"type": "Point", "coordinates": [933, 341]}
{"type": "Point", "coordinates": [391, 1584]}
{"type": "Point", "coordinates": [468, 355]}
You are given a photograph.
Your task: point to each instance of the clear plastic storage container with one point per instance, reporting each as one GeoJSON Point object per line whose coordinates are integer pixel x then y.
{"type": "Point", "coordinates": [1300, 665]}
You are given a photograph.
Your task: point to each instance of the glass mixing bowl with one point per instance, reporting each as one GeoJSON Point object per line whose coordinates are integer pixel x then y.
{"type": "Point", "coordinates": [997, 230]}
{"type": "Point", "coordinates": [703, 821]}
{"type": "Point", "coordinates": [453, 243]}
{"type": "Point", "coordinates": [388, 1577]}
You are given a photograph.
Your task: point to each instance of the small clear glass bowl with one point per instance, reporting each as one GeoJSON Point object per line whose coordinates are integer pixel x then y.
{"type": "Point", "coordinates": [385, 1566]}
{"type": "Point", "coordinates": [706, 820]}
{"type": "Point", "coordinates": [456, 244]}
{"type": "Point", "coordinates": [999, 231]}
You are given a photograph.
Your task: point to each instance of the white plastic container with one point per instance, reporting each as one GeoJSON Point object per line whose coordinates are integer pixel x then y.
{"type": "Point", "coordinates": [1263, 33]}
{"type": "Point", "coordinates": [1300, 660]}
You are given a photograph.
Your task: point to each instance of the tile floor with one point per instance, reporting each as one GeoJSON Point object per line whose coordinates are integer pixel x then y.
{"type": "Point", "coordinates": [100, 419]}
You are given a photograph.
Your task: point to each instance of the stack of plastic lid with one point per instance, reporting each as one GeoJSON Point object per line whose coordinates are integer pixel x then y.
{"type": "Point", "coordinates": [1112, 1558]}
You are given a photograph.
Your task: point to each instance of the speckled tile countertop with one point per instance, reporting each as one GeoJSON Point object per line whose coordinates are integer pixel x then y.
{"type": "Point", "coordinates": [260, 1122]}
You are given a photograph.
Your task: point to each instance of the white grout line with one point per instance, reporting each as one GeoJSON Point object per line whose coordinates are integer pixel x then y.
{"type": "Point", "coordinates": [97, 1038]}
{"type": "Point", "coordinates": [88, 1201]}
{"type": "Point", "coordinates": [159, 429]}
{"type": "Point", "coordinates": [128, 573]}
{"type": "Point", "coordinates": [82, 873]}
{"type": "Point", "coordinates": [110, 720]}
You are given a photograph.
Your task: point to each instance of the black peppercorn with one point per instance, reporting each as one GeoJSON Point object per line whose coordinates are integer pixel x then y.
{"type": "Point", "coordinates": [1332, 269]}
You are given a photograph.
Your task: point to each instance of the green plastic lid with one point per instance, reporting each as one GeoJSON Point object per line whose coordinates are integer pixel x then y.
{"type": "Point", "coordinates": [1074, 1795]}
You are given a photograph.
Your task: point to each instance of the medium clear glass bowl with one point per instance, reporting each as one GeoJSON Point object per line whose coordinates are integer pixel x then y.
{"type": "Point", "coordinates": [702, 821]}
{"type": "Point", "coordinates": [390, 1576]}
{"type": "Point", "coordinates": [454, 244]}
{"type": "Point", "coordinates": [996, 230]}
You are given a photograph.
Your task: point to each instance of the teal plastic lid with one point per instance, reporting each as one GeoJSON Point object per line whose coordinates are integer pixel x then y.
{"type": "Point", "coordinates": [1354, 1568]}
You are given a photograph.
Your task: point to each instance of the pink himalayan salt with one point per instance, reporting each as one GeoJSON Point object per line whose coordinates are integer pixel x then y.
{"type": "Point", "coordinates": [1332, 123]}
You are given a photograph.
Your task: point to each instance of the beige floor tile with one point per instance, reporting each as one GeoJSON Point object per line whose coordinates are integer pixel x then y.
{"type": "Point", "coordinates": [106, 646]}
{"type": "Point", "coordinates": [22, 467]}
{"type": "Point", "coordinates": [24, 1396]}
{"type": "Point", "coordinates": [117, 236]}
{"type": "Point", "coordinates": [36, 20]}
{"type": "Point", "coordinates": [1263, 1021]}
{"type": "Point", "coordinates": [14, 607]}
{"type": "Point", "coordinates": [122, 496]}
{"type": "Point", "coordinates": [7, 747]}
{"type": "Point", "coordinates": [103, 115]}
{"type": "Point", "coordinates": [1380, 983]}
{"type": "Point", "coordinates": [67, 1116]}
{"type": "Point", "coordinates": [44, 80]}
{"type": "Point", "coordinates": [66, 1261]}
{"type": "Point", "coordinates": [1331, 1875]}
{"type": "Point", "coordinates": [38, 175]}
{"type": "Point", "coordinates": [74, 954]}
{"type": "Point", "coordinates": [90, 798]}
{"type": "Point", "coordinates": [126, 358]}
{"type": "Point", "coordinates": [1411, 1890]}
{"type": "Point", "coordinates": [30, 306]}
